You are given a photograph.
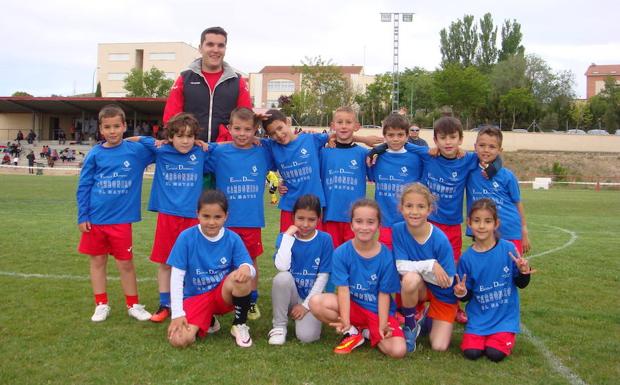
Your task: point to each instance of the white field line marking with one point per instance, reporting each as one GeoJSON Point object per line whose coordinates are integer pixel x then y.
{"type": "Point", "coordinates": [61, 277]}
{"type": "Point", "coordinates": [555, 362]}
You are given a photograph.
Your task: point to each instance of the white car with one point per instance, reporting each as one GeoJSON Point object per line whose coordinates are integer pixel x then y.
{"type": "Point", "coordinates": [598, 132]}
{"type": "Point", "coordinates": [576, 131]}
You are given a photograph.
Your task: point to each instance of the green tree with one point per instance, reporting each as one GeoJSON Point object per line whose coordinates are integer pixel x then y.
{"type": "Point", "coordinates": [327, 82]}
{"type": "Point", "coordinates": [460, 44]}
{"type": "Point", "coordinates": [511, 40]}
{"type": "Point", "coordinates": [150, 84]}
{"type": "Point", "coordinates": [517, 101]}
{"type": "Point", "coordinates": [416, 89]}
{"type": "Point", "coordinates": [487, 52]}
{"type": "Point", "coordinates": [580, 115]}
{"type": "Point", "coordinates": [98, 90]}
{"type": "Point", "coordinates": [21, 93]}
{"type": "Point", "coordinates": [464, 89]}
{"type": "Point", "coordinates": [375, 103]}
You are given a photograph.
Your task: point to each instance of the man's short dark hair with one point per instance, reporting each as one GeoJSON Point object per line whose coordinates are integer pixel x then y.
{"type": "Point", "coordinates": [214, 30]}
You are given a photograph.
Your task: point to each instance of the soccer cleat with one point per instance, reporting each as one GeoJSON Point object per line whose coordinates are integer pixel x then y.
{"type": "Point", "coordinates": [411, 336]}
{"type": "Point", "coordinates": [215, 326]}
{"type": "Point", "coordinates": [101, 313]}
{"type": "Point", "coordinates": [348, 343]}
{"type": "Point", "coordinates": [277, 336]}
{"type": "Point", "coordinates": [138, 312]}
{"type": "Point", "coordinates": [254, 312]}
{"type": "Point", "coordinates": [161, 314]}
{"type": "Point", "coordinates": [241, 333]}
{"type": "Point", "coordinates": [461, 316]}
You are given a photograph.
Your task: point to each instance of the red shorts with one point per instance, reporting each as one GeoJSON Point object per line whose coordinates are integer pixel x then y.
{"type": "Point", "coordinates": [440, 310]}
{"type": "Point", "coordinates": [166, 233]}
{"type": "Point", "coordinates": [504, 342]}
{"type": "Point", "coordinates": [200, 308]}
{"type": "Point", "coordinates": [365, 319]}
{"type": "Point", "coordinates": [518, 244]}
{"type": "Point", "coordinates": [455, 236]}
{"type": "Point", "coordinates": [252, 239]}
{"type": "Point", "coordinates": [286, 221]}
{"type": "Point", "coordinates": [340, 231]}
{"type": "Point", "coordinates": [385, 236]}
{"type": "Point", "coordinates": [108, 239]}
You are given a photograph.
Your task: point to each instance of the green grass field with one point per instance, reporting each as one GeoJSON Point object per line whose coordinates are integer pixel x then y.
{"type": "Point", "coordinates": [570, 311]}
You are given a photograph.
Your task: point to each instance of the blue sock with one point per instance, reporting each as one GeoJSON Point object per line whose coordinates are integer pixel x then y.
{"type": "Point", "coordinates": [254, 296]}
{"type": "Point", "coordinates": [164, 299]}
{"type": "Point", "coordinates": [409, 314]}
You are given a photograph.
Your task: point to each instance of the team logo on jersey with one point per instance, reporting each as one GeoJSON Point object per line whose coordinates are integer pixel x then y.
{"type": "Point", "coordinates": [373, 277]}
{"type": "Point", "coordinates": [126, 163]}
{"type": "Point", "coordinates": [317, 261]}
{"type": "Point", "coordinates": [506, 269]}
{"type": "Point", "coordinates": [223, 260]}
{"type": "Point", "coordinates": [254, 168]}
{"type": "Point", "coordinates": [403, 169]}
{"type": "Point", "coordinates": [495, 184]}
{"type": "Point", "coordinates": [304, 152]}
{"type": "Point", "coordinates": [454, 174]}
{"type": "Point", "coordinates": [192, 157]}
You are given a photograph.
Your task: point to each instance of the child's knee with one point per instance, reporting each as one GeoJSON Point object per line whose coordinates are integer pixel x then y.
{"type": "Point", "coordinates": [125, 265]}
{"type": "Point", "coordinates": [411, 281]}
{"type": "Point", "coordinates": [440, 346]}
{"type": "Point", "coordinates": [283, 279]}
{"type": "Point", "coordinates": [307, 336]}
{"type": "Point", "coordinates": [315, 303]}
{"type": "Point", "coordinates": [396, 348]}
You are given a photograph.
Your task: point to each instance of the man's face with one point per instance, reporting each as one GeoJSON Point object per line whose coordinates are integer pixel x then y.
{"type": "Point", "coordinates": [414, 132]}
{"type": "Point", "coordinates": [213, 49]}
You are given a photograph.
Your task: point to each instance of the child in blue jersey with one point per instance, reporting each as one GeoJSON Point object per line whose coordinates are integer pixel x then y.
{"type": "Point", "coordinates": [503, 189]}
{"type": "Point", "coordinates": [177, 184]}
{"type": "Point", "coordinates": [296, 156]}
{"type": "Point", "coordinates": [108, 199]}
{"type": "Point", "coordinates": [211, 274]}
{"type": "Point", "coordinates": [424, 260]}
{"type": "Point", "coordinates": [364, 273]}
{"type": "Point", "coordinates": [343, 169]}
{"type": "Point", "coordinates": [391, 172]}
{"type": "Point", "coordinates": [489, 274]}
{"type": "Point", "coordinates": [240, 170]}
{"type": "Point", "coordinates": [303, 258]}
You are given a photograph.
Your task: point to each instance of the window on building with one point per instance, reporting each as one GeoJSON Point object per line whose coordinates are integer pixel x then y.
{"type": "Point", "coordinates": [283, 86]}
{"type": "Point", "coordinates": [115, 94]}
{"type": "Point", "coordinates": [117, 75]}
{"type": "Point", "coordinates": [118, 57]}
{"type": "Point", "coordinates": [163, 56]}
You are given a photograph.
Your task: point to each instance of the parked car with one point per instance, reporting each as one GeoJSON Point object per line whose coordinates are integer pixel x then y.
{"type": "Point", "coordinates": [520, 130]}
{"type": "Point", "coordinates": [598, 132]}
{"type": "Point", "coordinates": [370, 126]}
{"type": "Point", "coordinates": [576, 131]}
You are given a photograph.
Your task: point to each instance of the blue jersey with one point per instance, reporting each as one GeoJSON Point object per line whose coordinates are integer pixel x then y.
{"type": "Point", "coordinates": [308, 258]}
{"type": "Point", "coordinates": [344, 180]}
{"type": "Point", "coordinates": [503, 189]}
{"type": "Point", "coordinates": [177, 183]}
{"type": "Point", "coordinates": [365, 277]}
{"type": "Point", "coordinates": [240, 174]}
{"type": "Point", "coordinates": [110, 184]}
{"type": "Point", "coordinates": [494, 306]}
{"type": "Point", "coordinates": [391, 173]}
{"type": "Point", "coordinates": [206, 263]}
{"type": "Point", "coordinates": [298, 164]}
{"type": "Point", "coordinates": [437, 247]}
{"type": "Point", "coordinates": [446, 178]}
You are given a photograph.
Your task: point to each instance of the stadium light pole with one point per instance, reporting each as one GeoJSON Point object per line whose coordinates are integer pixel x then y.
{"type": "Point", "coordinates": [386, 17]}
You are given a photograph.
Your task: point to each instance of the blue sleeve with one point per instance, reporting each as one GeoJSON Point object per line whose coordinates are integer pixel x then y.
{"type": "Point", "coordinates": [149, 143]}
{"type": "Point", "coordinates": [85, 185]}
{"type": "Point", "coordinates": [210, 159]}
{"type": "Point", "coordinates": [445, 256]}
{"type": "Point", "coordinates": [418, 150]}
{"type": "Point", "coordinates": [144, 153]}
{"type": "Point", "coordinates": [278, 242]}
{"type": "Point", "coordinates": [239, 253]}
{"type": "Point", "coordinates": [271, 164]}
{"type": "Point", "coordinates": [320, 140]}
{"type": "Point", "coordinates": [340, 271]}
{"type": "Point", "coordinates": [390, 281]}
{"type": "Point", "coordinates": [513, 189]}
{"type": "Point", "coordinates": [179, 254]}
{"type": "Point", "coordinates": [326, 256]}
{"type": "Point", "coordinates": [400, 252]}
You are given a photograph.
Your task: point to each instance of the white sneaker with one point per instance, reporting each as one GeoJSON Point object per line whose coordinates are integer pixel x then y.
{"type": "Point", "coordinates": [277, 336]}
{"type": "Point", "coordinates": [215, 328]}
{"type": "Point", "coordinates": [101, 313]}
{"type": "Point", "coordinates": [242, 335]}
{"type": "Point", "coordinates": [138, 312]}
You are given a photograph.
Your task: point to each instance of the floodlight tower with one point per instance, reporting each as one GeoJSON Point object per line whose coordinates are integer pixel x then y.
{"type": "Point", "coordinates": [386, 17]}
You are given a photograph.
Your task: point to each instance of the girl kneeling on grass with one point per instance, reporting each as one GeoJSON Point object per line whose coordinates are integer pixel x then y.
{"type": "Point", "coordinates": [489, 273]}
{"type": "Point", "coordinates": [364, 273]}
{"type": "Point", "coordinates": [425, 260]}
{"type": "Point", "coordinates": [303, 259]}
{"type": "Point", "coordinates": [211, 274]}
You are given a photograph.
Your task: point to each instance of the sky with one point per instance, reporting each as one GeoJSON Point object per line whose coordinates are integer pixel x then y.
{"type": "Point", "coordinates": [50, 47]}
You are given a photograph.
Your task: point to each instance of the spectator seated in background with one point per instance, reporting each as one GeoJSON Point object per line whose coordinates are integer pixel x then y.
{"type": "Point", "coordinates": [6, 159]}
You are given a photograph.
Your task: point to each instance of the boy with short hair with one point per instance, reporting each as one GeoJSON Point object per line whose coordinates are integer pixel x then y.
{"type": "Point", "coordinates": [503, 189]}
{"type": "Point", "coordinates": [108, 198]}
{"type": "Point", "coordinates": [177, 185]}
{"type": "Point", "coordinates": [240, 169]}
{"type": "Point", "coordinates": [391, 172]}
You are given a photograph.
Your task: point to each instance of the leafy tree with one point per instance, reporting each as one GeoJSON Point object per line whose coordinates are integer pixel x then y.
{"type": "Point", "coordinates": [511, 40]}
{"type": "Point", "coordinates": [416, 89]}
{"type": "Point", "coordinates": [580, 114]}
{"type": "Point", "coordinates": [327, 82]}
{"type": "Point", "coordinates": [550, 122]}
{"type": "Point", "coordinates": [545, 84]}
{"type": "Point", "coordinates": [375, 102]}
{"type": "Point", "coordinates": [152, 83]}
{"type": "Point", "coordinates": [487, 52]}
{"type": "Point", "coordinates": [517, 101]}
{"type": "Point", "coordinates": [464, 89]}
{"type": "Point", "coordinates": [459, 45]}
{"type": "Point", "coordinates": [21, 93]}
{"type": "Point", "coordinates": [98, 90]}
